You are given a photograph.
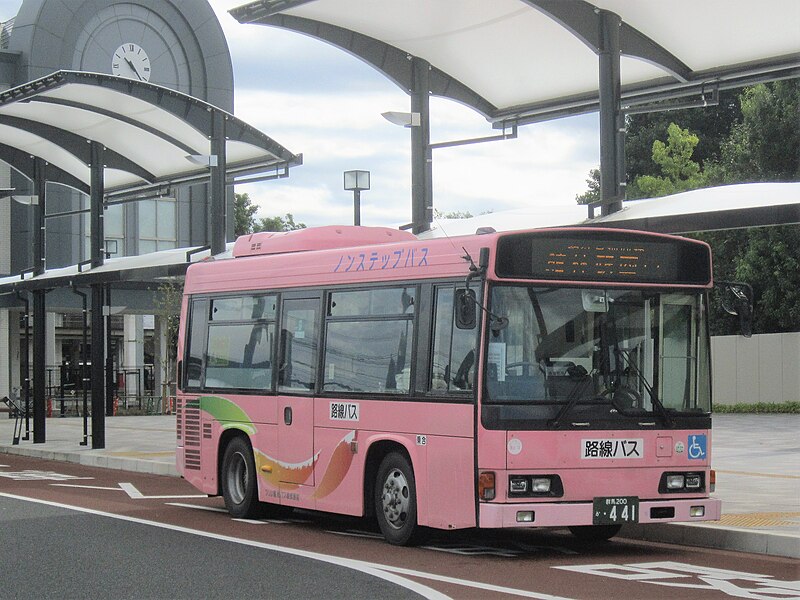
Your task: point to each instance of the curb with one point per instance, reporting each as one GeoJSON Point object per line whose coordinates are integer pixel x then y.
{"type": "Point", "coordinates": [714, 536]}
{"type": "Point", "coordinates": [136, 465]}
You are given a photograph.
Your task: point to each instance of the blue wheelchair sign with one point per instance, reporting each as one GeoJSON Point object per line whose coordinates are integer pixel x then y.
{"type": "Point", "coordinates": [697, 447]}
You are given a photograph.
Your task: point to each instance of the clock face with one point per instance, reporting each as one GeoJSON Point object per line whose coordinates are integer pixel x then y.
{"type": "Point", "coordinates": [136, 43]}
{"type": "Point", "coordinates": [130, 60]}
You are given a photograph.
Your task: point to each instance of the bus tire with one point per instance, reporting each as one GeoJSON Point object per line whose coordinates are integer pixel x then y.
{"type": "Point", "coordinates": [239, 486]}
{"type": "Point", "coordinates": [595, 533]}
{"type": "Point", "coordinates": [395, 498]}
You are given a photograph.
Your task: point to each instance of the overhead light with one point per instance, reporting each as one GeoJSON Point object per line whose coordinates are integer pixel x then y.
{"type": "Point", "coordinates": [404, 119]}
{"type": "Point", "coordinates": [205, 160]}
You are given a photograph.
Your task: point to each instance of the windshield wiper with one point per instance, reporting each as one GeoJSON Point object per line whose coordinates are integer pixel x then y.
{"type": "Point", "coordinates": [572, 400]}
{"type": "Point", "coordinates": [660, 408]}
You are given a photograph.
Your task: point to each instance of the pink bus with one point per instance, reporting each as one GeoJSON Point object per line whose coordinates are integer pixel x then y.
{"type": "Point", "coordinates": [544, 378]}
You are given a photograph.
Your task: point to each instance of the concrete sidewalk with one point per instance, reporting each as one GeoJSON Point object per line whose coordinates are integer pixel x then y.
{"type": "Point", "coordinates": [757, 459]}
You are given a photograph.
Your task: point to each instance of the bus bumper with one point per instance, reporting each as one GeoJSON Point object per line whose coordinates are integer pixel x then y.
{"type": "Point", "coordinates": [496, 515]}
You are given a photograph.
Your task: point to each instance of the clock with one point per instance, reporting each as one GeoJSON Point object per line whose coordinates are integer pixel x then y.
{"type": "Point", "coordinates": [130, 60]}
{"type": "Point", "coordinates": [131, 40]}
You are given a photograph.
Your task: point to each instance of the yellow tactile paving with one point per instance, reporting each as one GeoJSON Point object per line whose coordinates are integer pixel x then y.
{"type": "Point", "coordinates": [765, 519]}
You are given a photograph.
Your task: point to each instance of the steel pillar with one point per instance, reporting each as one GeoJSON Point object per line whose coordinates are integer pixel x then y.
{"type": "Point", "coordinates": [612, 134]}
{"type": "Point", "coordinates": [218, 168]}
{"type": "Point", "coordinates": [98, 298]}
{"type": "Point", "coordinates": [421, 158]}
{"type": "Point", "coordinates": [39, 328]}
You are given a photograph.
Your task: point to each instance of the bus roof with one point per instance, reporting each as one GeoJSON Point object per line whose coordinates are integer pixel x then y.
{"type": "Point", "coordinates": [346, 255]}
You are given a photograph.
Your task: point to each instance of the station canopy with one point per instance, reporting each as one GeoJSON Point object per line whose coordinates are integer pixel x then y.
{"type": "Point", "coordinates": [154, 137]}
{"type": "Point", "coordinates": [522, 61]}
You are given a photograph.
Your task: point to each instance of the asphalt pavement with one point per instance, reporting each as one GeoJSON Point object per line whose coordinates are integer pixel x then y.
{"type": "Point", "coordinates": [756, 457]}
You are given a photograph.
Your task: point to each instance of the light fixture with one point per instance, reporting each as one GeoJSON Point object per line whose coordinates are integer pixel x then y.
{"type": "Point", "coordinates": [356, 181]}
{"type": "Point", "coordinates": [403, 119]}
{"type": "Point", "coordinates": [205, 160]}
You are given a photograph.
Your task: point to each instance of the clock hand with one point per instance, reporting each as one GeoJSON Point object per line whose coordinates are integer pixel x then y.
{"type": "Point", "coordinates": [133, 68]}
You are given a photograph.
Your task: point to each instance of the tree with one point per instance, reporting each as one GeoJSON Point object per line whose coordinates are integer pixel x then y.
{"type": "Point", "coordinates": [456, 214]}
{"type": "Point", "coordinates": [244, 212]}
{"type": "Point", "coordinates": [285, 223]}
{"type": "Point", "coordinates": [593, 193]}
{"type": "Point", "coordinates": [674, 159]}
{"type": "Point", "coordinates": [765, 145]}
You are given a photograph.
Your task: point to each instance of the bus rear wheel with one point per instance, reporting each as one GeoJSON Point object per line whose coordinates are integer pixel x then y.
{"type": "Point", "coordinates": [396, 501]}
{"type": "Point", "coordinates": [239, 486]}
{"type": "Point", "coordinates": [595, 533]}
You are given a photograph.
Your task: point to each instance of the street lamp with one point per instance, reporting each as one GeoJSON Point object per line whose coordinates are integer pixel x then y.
{"type": "Point", "coordinates": [356, 181]}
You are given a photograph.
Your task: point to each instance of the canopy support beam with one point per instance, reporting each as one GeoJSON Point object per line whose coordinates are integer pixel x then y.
{"type": "Point", "coordinates": [612, 132]}
{"type": "Point", "coordinates": [98, 298]}
{"type": "Point", "coordinates": [421, 159]}
{"type": "Point", "coordinates": [39, 409]}
{"type": "Point", "coordinates": [218, 167]}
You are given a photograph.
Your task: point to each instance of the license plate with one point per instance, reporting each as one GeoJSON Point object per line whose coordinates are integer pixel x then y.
{"type": "Point", "coordinates": [615, 510]}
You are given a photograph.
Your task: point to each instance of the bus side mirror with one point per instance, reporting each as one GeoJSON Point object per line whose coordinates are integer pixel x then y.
{"type": "Point", "coordinates": [737, 299]}
{"type": "Point", "coordinates": [465, 309]}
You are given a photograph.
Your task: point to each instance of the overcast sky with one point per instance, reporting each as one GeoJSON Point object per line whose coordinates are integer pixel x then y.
{"type": "Point", "coordinates": [320, 101]}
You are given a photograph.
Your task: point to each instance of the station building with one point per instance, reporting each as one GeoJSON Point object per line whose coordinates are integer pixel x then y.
{"type": "Point", "coordinates": [178, 44]}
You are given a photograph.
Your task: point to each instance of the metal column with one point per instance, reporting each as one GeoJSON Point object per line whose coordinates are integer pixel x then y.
{"type": "Point", "coordinates": [39, 396]}
{"type": "Point", "coordinates": [612, 136]}
{"type": "Point", "coordinates": [98, 297]}
{"type": "Point", "coordinates": [421, 159]}
{"type": "Point", "coordinates": [218, 165]}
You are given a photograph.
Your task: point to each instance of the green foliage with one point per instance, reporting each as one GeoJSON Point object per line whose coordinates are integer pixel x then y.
{"type": "Point", "coordinates": [592, 194]}
{"type": "Point", "coordinates": [678, 171]}
{"type": "Point", "coordinates": [167, 304]}
{"type": "Point", "coordinates": [244, 212]}
{"type": "Point", "coordinates": [456, 214]}
{"type": "Point", "coordinates": [759, 407]}
{"type": "Point", "coordinates": [285, 223]}
{"type": "Point", "coordinates": [765, 145]}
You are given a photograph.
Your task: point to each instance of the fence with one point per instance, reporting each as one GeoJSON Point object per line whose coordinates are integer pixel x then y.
{"type": "Point", "coordinates": [763, 368]}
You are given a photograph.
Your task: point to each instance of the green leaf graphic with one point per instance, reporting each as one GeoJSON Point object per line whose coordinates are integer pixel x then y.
{"type": "Point", "coordinates": [227, 413]}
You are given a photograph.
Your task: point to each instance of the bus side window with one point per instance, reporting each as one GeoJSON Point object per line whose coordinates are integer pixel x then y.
{"type": "Point", "coordinates": [298, 345]}
{"type": "Point", "coordinates": [196, 343]}
{"type": "Point", "coordinates": [453, 357]}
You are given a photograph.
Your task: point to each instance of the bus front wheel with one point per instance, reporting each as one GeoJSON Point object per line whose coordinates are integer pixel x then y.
{"type": "Point", "coordinates": [239, 486]}
{"type": "Point", "coordinates": [595, 533]}
{"type": "Point", "coordinates": [396, 501]}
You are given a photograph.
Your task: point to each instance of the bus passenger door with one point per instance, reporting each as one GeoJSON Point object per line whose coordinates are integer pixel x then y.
{"type": "Point", "coordinates": [296, 381]}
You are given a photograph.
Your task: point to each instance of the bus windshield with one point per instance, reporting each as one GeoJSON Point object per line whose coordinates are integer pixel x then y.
{"type": "Point", "coordinates": [582, 354]}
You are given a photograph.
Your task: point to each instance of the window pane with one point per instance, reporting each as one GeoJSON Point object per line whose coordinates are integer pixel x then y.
{"type": "Point", "coordinates": [394, 301]}
{"type": "Point", "coordinates": [239, 356]}
{"type": "Point", "coordinates": [243, 308]}
{"type": "Point", "coordinates": [298, 346]}
{"type": "Point", "coordinates": [146, 246]}
{"type": "Point", "coordinates": [370, 356]}
{"type": "Point", "coordinates": [147, 219]}
{"type": "Point", "coordinates": [194, 359]}
{"type": "Point", "coordinates": [453, 359]}
{"type": "Point", "coordinates": [113, 225]}
{"type": "Point", "coordinates": [165, 223]}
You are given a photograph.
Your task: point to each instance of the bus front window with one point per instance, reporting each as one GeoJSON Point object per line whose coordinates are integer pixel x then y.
{"type": "Point", "coordinates": [598, 352]}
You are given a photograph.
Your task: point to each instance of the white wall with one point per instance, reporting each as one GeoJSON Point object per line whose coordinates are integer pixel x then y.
{"type": "Point", "coordinates": [763, 368]}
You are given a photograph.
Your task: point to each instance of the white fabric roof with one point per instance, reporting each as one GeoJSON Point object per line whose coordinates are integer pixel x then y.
{"type": "Point", "coordinates": [724, 207]}
{"type": "Point", "coordinates": [526, 57]}
{"type": "Point", "coordinates": [148, 131]}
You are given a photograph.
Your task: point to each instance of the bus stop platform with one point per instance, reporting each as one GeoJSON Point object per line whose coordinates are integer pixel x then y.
{"type": "Point", "coordinates": [756, 457]}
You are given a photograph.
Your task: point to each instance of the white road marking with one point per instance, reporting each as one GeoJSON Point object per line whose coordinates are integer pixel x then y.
{"type": "Point", "coordinates": [207, 508]}
{"type": "Point", "coordinates": [250, 521]}
{"type": "Point", "coordinates": [87, 487]}
{"type": "Point", "coordinates": [385, 572]}
{"type": "Point", "coordinates": [131, 490]}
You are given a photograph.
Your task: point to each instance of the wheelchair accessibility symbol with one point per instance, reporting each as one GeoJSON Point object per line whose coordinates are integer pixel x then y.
{"type": "Point", "coordinates": [697, 447]}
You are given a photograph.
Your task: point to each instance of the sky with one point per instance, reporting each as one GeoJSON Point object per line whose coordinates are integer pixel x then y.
{"type": "Point", "coordinates": [317, 100]}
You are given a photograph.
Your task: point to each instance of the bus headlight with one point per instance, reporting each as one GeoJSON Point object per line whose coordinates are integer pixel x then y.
{"type": "Point", "coordinates": [540, 485]}
{"type": "Point", "coordinates": [675, 482]}
{"type": "Point", "coordinates": [518, 485]}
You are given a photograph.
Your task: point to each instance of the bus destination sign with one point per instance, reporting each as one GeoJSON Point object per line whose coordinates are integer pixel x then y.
{"type": "Point", "coordinates": [601, 256]}
{"type": "Point", "coordinates": [581, 259]}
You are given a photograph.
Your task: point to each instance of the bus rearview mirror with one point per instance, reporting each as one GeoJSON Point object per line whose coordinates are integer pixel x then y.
{"type": "Point", "coordinates": [465, 309]}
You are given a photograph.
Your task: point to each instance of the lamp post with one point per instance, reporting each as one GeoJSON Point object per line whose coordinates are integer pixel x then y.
{"type": "Point", "coordinates": [356, 181]}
